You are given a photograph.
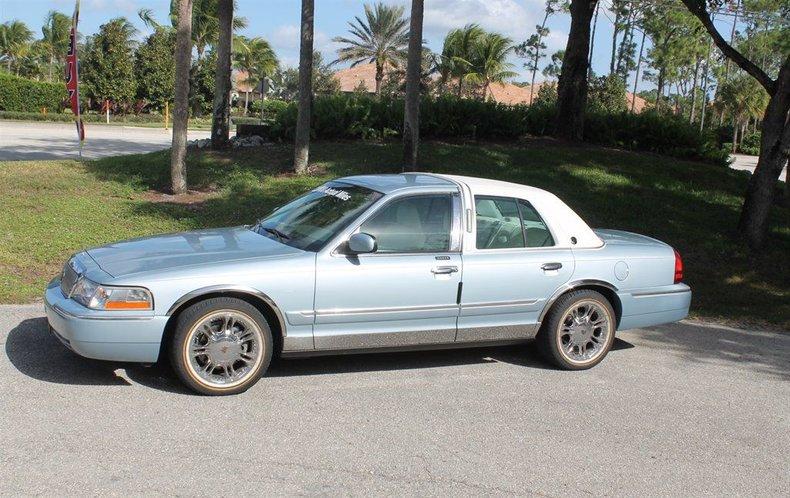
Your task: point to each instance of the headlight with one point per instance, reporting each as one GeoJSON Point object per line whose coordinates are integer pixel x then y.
{"type": "Point", "coordinates": [103, 297]}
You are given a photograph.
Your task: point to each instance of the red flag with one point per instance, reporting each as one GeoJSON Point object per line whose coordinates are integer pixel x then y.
{"type": "Point", "coordinates": [72, 74]}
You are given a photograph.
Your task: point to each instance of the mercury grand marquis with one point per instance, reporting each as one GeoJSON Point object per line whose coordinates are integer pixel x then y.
{"type": "Point", "coordinates": [368, 263]}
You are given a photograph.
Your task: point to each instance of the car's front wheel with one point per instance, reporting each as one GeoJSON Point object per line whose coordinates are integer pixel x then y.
{"type": "Point", "coordinates": [578, 331]}
{"type": "Point", "coordinates": [221, 346]}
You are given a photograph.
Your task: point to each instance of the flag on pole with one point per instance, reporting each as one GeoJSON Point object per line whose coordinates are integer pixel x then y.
{"type": "Point", "coordinates": [72, 74]}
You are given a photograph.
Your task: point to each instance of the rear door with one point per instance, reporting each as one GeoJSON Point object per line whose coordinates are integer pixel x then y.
{"type": "Point", "coordinates": [510, 272]}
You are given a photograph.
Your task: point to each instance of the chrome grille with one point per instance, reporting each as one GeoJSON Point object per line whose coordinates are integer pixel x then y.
{"type": "Point", "coordinates": [68, 279]}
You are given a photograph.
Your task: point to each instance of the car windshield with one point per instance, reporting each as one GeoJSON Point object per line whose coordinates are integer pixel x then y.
{"type": "Point", "coordinates": [311, 220]}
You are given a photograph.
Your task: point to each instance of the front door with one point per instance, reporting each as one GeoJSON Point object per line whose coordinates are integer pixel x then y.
{"type": "Point", "coordinates": [405, 293]}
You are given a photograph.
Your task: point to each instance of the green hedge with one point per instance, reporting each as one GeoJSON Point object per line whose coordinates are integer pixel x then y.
{"type": "Point", "coordinates": [23, 95]}
{"type": "Point", "coordinates": [750, 144]}
{"type": "Point", "coordinates": [353, 116]}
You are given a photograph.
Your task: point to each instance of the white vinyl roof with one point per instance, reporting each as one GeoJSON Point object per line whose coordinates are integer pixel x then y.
{"type": "Point", "coordinates": [563, 222]}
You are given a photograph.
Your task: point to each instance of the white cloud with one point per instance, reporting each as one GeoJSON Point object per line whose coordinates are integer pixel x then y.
{"type": "Point", "coordinates": [285, 41]}
{"type": "Point", "coordinates": [122, 7]}
{"type": "Point", "coordinates": [504, 16]}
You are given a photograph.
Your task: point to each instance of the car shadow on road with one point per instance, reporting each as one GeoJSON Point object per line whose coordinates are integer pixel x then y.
{"type": "Point", "coordinates": [35, 352]}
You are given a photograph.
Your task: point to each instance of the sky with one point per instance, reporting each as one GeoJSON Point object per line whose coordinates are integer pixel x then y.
{"type": "Point", "coordinates": [278, 22]}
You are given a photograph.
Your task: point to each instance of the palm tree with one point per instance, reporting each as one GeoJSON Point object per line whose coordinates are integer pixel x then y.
{"type": "Point", "coordinates": [15, 40]}
{"type": "Point", "coordinates": [411, 114]}
{"type": "Point", "coordinates": [458, 52]}
{"type": "Point", "coordinates": [220, 119]}
{"type": "Point", "coordinates": [303, 118]}
{"type": "Point", "coordinates": [55, 40]}
{"type": "Point", "coordinates": [205, 23]}
{"type": "Point", "coordinates": [381, 39]}
{"type": "Point", "coordinates": [489, 61]}
{"type": "Point", "coordinates": [183, 56]}
{"type": "Point", "coordinates": [255, 57]}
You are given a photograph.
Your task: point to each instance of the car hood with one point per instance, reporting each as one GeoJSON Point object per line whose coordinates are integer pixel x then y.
{"type": "Point", "coordinates": [162, 253]}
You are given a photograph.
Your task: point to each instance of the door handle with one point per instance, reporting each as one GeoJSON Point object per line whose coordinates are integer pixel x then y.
{"type": "Point", "coordinates": [551, 266]}
{"type": "Point", "coordinates": [444, 270]}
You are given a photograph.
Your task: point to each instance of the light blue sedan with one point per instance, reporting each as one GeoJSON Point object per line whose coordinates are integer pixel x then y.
{"type": "Point", "coordinates": [368, 263]}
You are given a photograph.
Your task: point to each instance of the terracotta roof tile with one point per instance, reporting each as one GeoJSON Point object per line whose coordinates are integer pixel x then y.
{"type": "Point", "coordinates": [505, 93]}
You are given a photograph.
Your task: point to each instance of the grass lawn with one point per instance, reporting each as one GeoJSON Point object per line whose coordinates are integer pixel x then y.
{"type": "Point", "coordinates": [51, 209]}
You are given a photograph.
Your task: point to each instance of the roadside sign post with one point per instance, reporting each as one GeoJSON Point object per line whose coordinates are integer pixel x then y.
{"type": "Point", "coordinates": [72, 77]}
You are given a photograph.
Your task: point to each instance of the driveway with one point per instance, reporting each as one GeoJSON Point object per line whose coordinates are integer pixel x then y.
{"type": "Point", "coordinates": [748, 163]}
{"type": "Point", "coordinates": [31, 141]}
{"type": "Point", "coordinates": [686, 409]}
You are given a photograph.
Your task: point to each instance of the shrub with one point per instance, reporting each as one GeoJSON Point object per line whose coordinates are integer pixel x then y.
{"type": "Point", "coordinates": [23, 95]}
{"type": "Point", "coordinates": [271, 108]}
{"type": "Point", "coordinates": [750, 144]}
{"type": "Point", "coordinates": [653, 132]}
{"type": "Point", "coordinates": [357, 115]}
{"type": "Point", "coordinates": [607, 94]}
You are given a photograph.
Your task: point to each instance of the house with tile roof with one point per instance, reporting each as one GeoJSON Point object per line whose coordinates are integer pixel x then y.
{"type": "Point", "coordinates": [364, 76]}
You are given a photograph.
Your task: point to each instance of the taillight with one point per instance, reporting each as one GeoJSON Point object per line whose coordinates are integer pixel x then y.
{"type": "Point", "coordinates": [678, 267]}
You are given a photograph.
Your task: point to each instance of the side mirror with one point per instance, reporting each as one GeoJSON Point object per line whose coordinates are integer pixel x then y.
{"type": "Point", "coordinates": [361, 243]}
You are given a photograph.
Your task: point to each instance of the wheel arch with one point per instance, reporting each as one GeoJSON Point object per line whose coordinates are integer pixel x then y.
{"type": "Point", "coordinates": [260, 300]}
{"type": "Point", "coordinates": [608, 290]}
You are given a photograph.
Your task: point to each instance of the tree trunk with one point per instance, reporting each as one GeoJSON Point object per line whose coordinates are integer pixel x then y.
{"type": "Point", "coordinates": [572, 86]}
{"type": "Point", "coordinates": [638, 66]}
{"type": "Point", "coordinates": [537, 56]}
{"type": "Point", "coordinates": [615, 32]}
{"type": "Point", "coordinates": [627, 36]}
{"type": "Point", "coordinates": [775, 138]}
{"type": "Point", "coordinates": [379, 77]}
{"type": "Point", "coordinates": [735, 136]}
{"type": "Point", "coordinates": [705, 89]}
{"type": "Point", "coordinates": [302, 139]}
{"type": "Point", "coordinates": [592, 41]}
{"type": "Point", "coordinates": [220, 122]}
{"type": "Point", "coordinates": [659, 87]}
{"type": "Point", "coordinates": [183, 56]}
{"type": "Point", "coordinates": [411, 114]}
{"type": "Point", "coordinates": [246, 102]}
{"type": "Point", "coordinates": [774, 151]}
{"type": "Point", "coordinates": [692, 114]}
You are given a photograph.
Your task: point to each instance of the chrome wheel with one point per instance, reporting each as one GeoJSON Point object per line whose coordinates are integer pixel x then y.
{"type": "Point", "coordinates": [224, 348]}
{"type": "Point", "coordinates": [584, 331]}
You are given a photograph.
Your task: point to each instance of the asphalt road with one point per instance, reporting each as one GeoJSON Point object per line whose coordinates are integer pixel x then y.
{"type": "Point", "coordinates": [743, 162]}
{"type": "Point", "coordinates": [31, 141]}
{"type": "Point", "coordinates": [684, 409]}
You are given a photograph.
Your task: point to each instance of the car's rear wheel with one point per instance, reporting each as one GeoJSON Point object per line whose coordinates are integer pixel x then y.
{"type": "Point", "coordinates": [221, 346]}
{"type": "Point", "coordinates": [579, 330]}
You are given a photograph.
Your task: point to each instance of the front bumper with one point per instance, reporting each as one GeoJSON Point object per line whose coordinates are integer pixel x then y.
{"type": "Point", "coordinates": [103, 335]}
